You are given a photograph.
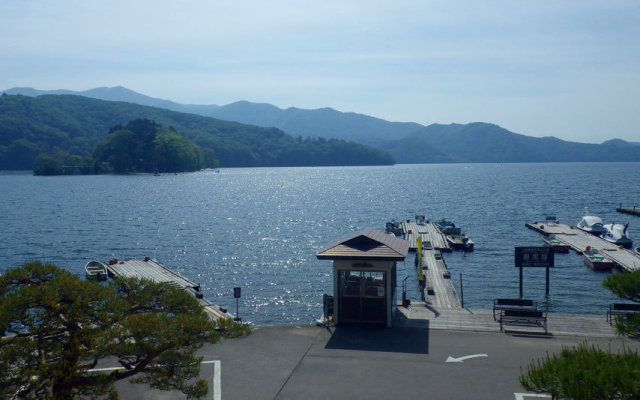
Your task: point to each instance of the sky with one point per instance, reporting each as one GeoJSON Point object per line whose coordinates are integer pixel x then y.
{"type": "Point", "coordinates": [569, 69]}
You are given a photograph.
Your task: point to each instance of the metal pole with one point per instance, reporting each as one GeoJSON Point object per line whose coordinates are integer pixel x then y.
{"type": "Point", "coordinates": [547, 291]}
{"type": "Point", "coordinates": [521, 281]}
{"type": "Point", "coordinates": [461, 292]}
{"type": "Point", "coordinates": [237, 292]}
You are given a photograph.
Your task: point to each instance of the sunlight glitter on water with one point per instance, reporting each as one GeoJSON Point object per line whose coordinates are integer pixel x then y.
{"type": "Point", "coordinates": [261, 228]}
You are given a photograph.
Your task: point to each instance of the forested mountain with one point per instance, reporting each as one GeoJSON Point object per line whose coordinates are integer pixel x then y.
{"type": "Point", "coordinates": [30, 126]}
{"type": "Point", "coordinates": [407, 142]}
{"type": "Point", "coordinates": [324, 122]}
{"type": "Point", "coordinates": [482, 142]}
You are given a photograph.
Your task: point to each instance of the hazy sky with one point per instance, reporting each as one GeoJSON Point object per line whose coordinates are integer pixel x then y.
{"type": "Point", "coordinates": [569, 69]}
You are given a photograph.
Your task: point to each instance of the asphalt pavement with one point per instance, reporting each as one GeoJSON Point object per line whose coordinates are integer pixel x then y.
{"type": "Point", "coordinates": [411, 362]}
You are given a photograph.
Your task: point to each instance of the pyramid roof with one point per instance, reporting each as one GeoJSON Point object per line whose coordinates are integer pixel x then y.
{"type": "Point", "coordinates": [368, 244]}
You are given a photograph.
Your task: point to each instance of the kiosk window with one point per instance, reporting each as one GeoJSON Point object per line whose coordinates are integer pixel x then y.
{"type": "Point", "coordinates": [374, 284]}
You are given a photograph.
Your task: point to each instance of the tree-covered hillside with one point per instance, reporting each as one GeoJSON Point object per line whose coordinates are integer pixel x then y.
{"type": "Point", "coordinates": [30, 126]}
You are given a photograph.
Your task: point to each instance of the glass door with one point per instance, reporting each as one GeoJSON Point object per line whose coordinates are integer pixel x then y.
{"type": "Point", "coordinates": [362, 297]}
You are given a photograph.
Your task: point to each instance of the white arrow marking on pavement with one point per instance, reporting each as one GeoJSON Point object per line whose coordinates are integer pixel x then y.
{"type": "Point", "coordinates": [461, 359]}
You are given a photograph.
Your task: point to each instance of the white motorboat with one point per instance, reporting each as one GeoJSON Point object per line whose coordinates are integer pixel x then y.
{"type": "Point", "coordinates": [591, 224]}
{"type": "Point", "coordinates": [617, 234]}
{"type": "Point", "coordinates": [96, 270]}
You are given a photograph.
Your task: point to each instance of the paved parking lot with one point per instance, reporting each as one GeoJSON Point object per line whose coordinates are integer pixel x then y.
{"type": "Point", "coordinates": [309, 362]}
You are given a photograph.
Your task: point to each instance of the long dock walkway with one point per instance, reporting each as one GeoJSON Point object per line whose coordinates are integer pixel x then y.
{"type": "Point", "coordinates": [151, 269]}
{"type": "Point", "coordinates": [438, 289]}
{"type": "Point", "coordinates": [579, 240]}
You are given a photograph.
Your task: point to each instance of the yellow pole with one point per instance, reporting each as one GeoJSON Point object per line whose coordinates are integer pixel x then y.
{"type": "Point", "coordinates": [419, 243]}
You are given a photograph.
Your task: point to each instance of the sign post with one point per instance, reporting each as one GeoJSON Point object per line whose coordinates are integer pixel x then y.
{"type": "Point", "coordinates": [237, 293]}
{"type": "Point", "coordinates": [536, 257]}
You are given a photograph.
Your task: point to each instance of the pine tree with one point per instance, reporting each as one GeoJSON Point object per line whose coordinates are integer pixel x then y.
{"type": "Point", "coordinates": [57, 327]}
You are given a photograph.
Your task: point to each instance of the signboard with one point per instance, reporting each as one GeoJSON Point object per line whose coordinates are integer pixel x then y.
{"type": "Point", "coordinates": [539, 257]}
{"type": "Point", "coordinates": [236, 292]}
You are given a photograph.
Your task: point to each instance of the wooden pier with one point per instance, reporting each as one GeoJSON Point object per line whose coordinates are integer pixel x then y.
{"type": "Point", "coordinates": [428, 232]}
{"type": "Point", "coordinates": [580, 240]}
{"type": "Point", "coordinates": [433, 276]}
{"type": "Point", "coordinates": [438, 289]}
{"type": "Point", "coordinates": [152, 270]}
{"type": "Point", "coordinates": [632, 211]}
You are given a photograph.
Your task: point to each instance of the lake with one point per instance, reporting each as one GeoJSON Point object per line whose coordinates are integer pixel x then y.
{"type": "Point", "coordinates": [260, 228]}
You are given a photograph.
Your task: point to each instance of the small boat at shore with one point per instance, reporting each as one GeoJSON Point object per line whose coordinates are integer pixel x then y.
{"type": "Point", "coordinates": [555, 244]}
{"type": "Point", "coordinates": [95, 270]}
{"type": "Point", "coordinates": [596, 261]}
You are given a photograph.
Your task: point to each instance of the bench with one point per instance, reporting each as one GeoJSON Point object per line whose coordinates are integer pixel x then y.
{"type": "Point", "coordinates": [523, 318]}
{"type": "Point", "coordinates": [622, 309]}
{"type": "Point", "coordinates": [501, 305]}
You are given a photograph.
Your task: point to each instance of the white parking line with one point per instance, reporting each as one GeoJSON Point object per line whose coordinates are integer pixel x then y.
{"type": "Point", "coordinates": [217, 384]}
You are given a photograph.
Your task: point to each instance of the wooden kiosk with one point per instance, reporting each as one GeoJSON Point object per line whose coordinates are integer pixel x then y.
{"type": "Point", "coordinates": [364, 276]}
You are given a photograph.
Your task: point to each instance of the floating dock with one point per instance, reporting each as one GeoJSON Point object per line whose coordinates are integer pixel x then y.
{"type": "Point", "coordinates": [632, 211]}
{"type": "Point", "coordinates": [438, 289]}
{"type": "Point", "coordinates": [433, 276]}
{"type": "Point", "coordinates": [580, 240]}
{"type": "Point", "coordinates": [151, 269]}
{"type": "Point", "coordinates": [428, 232]}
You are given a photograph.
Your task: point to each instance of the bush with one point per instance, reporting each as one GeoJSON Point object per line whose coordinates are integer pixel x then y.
{"type": "Point", "coordinates": [584, 373]}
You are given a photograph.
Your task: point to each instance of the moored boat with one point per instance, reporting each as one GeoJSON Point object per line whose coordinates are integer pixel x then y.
{"type": "Point", "coordinates": [555, 244]}
{"type": "Point", "coordinates": [448, 227]}
{"type": "Point", "coordinates": [617, 234]}
{"type": "Point", "coordinates": [591, 224]}
{"type": "Point", "coordinates": [596, 261]}
{"type": "Point", "coordinates": [460, 242]}
{"type": "Point", "coordinates": [96, 270]}
{"type": "Point", "coordinates": [394, 227]}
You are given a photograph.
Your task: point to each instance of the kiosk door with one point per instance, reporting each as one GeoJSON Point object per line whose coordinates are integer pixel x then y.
{"type": "Point", "coordinates": [362, 297]}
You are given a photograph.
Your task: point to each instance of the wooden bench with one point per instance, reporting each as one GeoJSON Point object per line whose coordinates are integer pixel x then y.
{"type": "Point", "coordinates": [523, 318]}
{"type": "Point", "coordinates": [501, 305]}
{"type": "Point", "coordinates": [622, 309]}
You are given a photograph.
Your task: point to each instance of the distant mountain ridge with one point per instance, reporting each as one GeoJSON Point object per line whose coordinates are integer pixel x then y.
{"type": "Point", "coordinates": [117, 93]}
{"type": "Point", "coordinates": [409, 142]}
{"type": "Point", "coordinates": [323, 122]}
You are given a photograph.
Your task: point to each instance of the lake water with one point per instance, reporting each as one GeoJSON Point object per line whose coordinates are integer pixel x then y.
{"type": "Point", "coordinates": [260, 228]}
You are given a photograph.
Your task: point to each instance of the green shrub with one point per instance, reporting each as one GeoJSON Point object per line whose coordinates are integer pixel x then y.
{"type": "Point", "coordinates": [584, 373]}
